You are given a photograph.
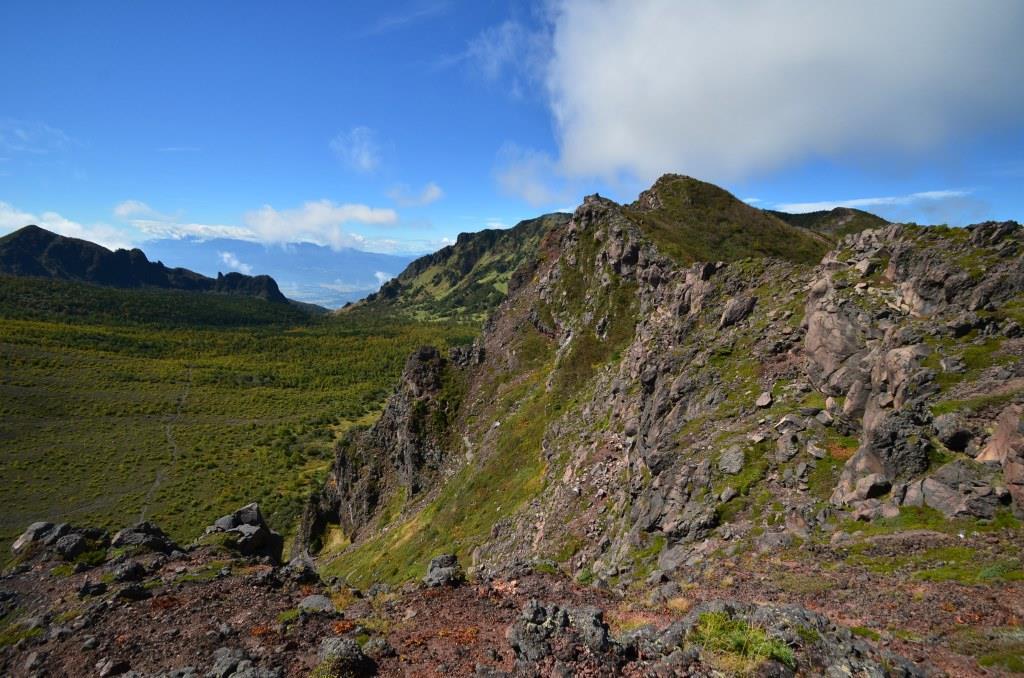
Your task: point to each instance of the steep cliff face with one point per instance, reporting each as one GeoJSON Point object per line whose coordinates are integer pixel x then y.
{"type": "Point", "coordinates": [636, 405]}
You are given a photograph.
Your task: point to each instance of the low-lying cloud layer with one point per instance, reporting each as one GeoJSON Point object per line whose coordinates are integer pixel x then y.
{"type": "Point", "coordinates": [723, 90]}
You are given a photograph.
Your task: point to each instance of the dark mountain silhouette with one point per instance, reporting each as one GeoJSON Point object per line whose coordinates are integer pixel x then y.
{"type": "Point", "coordinates": [35, 252]}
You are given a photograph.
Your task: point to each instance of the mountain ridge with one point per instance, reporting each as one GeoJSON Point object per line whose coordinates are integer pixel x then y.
{"type": "Point", "coordinates": [36, 252]}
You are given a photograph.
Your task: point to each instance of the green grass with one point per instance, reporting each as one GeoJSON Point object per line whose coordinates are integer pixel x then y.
{"type": "Point", "coordinates": [702, 222]}
{"type": "Point", "coordinates": [737, 646]}
{"type": "Point", "coordinates": [104, 417]}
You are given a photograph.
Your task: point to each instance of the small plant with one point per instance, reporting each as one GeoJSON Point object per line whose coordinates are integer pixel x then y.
{"type": "Point", "coordinates": [736, 646]}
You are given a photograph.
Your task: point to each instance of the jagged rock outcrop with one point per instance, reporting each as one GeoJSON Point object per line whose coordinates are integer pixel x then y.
{"type": "Point", "coordinates": [400, 453]}
{"type": "Point", "coordinates": [246, 532]}
{"type": "Point", "coordinates": [636, 405]}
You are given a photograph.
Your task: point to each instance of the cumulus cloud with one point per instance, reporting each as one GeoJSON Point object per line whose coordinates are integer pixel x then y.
{"type": "Point", "coordinates": [406, 198]}
{"type": "Point", "coordinates": [232, 262]}
{"type": "Point", "coordinates": [358, 148]}
{"type": "Point", "coordinates": [382, 277]}
{"type": "Point", "coordinates": [318, 222]}
{"type": "Point", "coordinates": [724, 90]}
{"type": "Point", "coordinates": [11, 219]}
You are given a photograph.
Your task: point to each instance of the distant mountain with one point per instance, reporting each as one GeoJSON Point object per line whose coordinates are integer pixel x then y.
{"type": "Point", "coordinates": [834, 223]}
{"type": "Point", "coordinates": [35, 252]}
{"type": "Point", "coordinates": [308, 272]}
{"type": "Point", "coordinates": [471, 277]}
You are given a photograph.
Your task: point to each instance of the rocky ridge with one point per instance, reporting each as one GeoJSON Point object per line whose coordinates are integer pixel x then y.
{"type": "Point", "coordinates": [633, 417]}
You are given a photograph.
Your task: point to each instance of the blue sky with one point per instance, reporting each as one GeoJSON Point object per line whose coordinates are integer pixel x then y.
{"type": "Point", "coordinates": [392, 127]}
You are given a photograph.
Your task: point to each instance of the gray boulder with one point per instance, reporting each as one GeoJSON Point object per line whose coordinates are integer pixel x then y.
{"type": "Point", "coordinates": [444, 570]}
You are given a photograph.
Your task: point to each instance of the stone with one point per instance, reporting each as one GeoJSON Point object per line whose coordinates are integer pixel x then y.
{"type": "Point", "coordinates": [134, 592]}
{"type": "Point", "coordinates": [736, 309]}
{"type": "Point", "coordinates": [731, 461]}
{"type": "Point", "coordinates": [316, 603]}
{"type": "Point", "coordinates": [35, 532]}
{"type": "Point", "coordinates": [344, 657]}
{"type": "Point", "coordinates": [112, 667]}
{"type": "Point", "coordinates": [129, 571]}
{"type": "Point", "coordinates": [871, 486]}
{"type": "Point", "coordinates": [226, 661]}
{"type": "Point", "coordinates": [144, 535]}
{"type": "Point", "coordinates": [444, 570]}
{"type": "Point", "coordinates": [764, 400]}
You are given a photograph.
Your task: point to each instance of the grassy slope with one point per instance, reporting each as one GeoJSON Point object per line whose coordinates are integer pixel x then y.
{"type": "Point", "coordinates": [697, 221]}
{"type": "Point", "coordinates": [103, 390]}
{"type": "Point", "coordinates": [468, 279]}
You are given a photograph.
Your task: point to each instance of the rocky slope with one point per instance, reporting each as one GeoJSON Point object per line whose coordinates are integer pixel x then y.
{"type": "Point", "coordinates": [36, 252]}
{"type": "Point", "coordinates": [756, 447]}
{"type": "Point", "coordinates": [640, 414]}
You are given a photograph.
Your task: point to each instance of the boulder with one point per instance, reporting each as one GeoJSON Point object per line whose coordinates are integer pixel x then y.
{"type": "Point", "coordinates": [36, 532]}
{"type": "Point", "coordinates": [731, 461]}
{"type": "Point", "coordinates": [343, 657]}
{"type": "Point", "coordinates": [444, 570]}
{"type": "Point", "coordinates": [764, 400]}
{"type": "Point", "coordinates": [248, 533]}
{"type": "Point", "coordinates": [736, 309]}
{"type": "Point", "coordinates": [959, 489]}
{"type": "Point", "coordinates": [144, 535]}
{"type": "Point", "coordinates": [316, 603]}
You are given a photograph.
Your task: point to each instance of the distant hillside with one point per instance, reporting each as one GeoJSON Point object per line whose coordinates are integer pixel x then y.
{"type": "Point", "coordinates": [834, 223]}
{"type": "Point", "coordinates": [471, 277]}
{"type": "Point", "coordinates": [36, 252]}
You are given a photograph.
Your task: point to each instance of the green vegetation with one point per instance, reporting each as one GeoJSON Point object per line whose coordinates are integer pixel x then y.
{"type": "Point", "coordinates": [998, 648]}
{"type": "Point", "coordinates": [834, 223]}
{"type": "Point", "coordinates": [736, 646]}
{"type": "Point", "coordinates": [465, 281]}
{"type": "Point", "coordinates": [119, 404]}
{"type": "Point", "coordinates": [865, 632]}
{"type": "Point", "coordinates": [698, 221]}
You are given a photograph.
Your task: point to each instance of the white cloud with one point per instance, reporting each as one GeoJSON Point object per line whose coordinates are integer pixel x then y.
{"type": "Point", "coordinates": [233, 263]}
{"type": "Point", "coordinates": [866, 203]}
{"type": "Point", "coordinates": [415, 14]}
{"type": "Point", "coordinates": [950, 206]}
{"type": "Point", "coordinates": [11, 219]}
{"type": "Point", "coordinates": [726, 89]}
{"type": "Point", "coordinates": [511, 54]}
{"type": "Point", "coordinates": [405, 198]}
{"type": "Point", "coordinates": [37, 138]}
{"type": "Point", "coordinates": [529, 174]}
{"type": "Point", "coordinates": [358, 148]}
{"type": "Point", "coordinates": [382, 277]}
{"type": "Point", "coordinates": [318, 222]}
{"type": "Point", "coordinates": [134, 208]}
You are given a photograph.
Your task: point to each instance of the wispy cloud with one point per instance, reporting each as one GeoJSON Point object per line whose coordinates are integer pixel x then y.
{"type": "Point", "coordinates": [382, 277]}
{"type": "Point", "coordinates": [232, 262]}
{"type": "Point", "coordinates": [32, 137]}
{"type": "Point", "coordinates": [358, 148]}
{"type": "Point", "coordinates": [11, 219]}
{"type": "Point", "coordinates": [413, 14]}
{"type": "Point", "coordinates": [865, 203]}
{"type": "Point", "coordinates": [530, 174]}
{"type": "Point", "coordinates": [511, 54]}
{"type": "Point", "coordinates": [406, 198]}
